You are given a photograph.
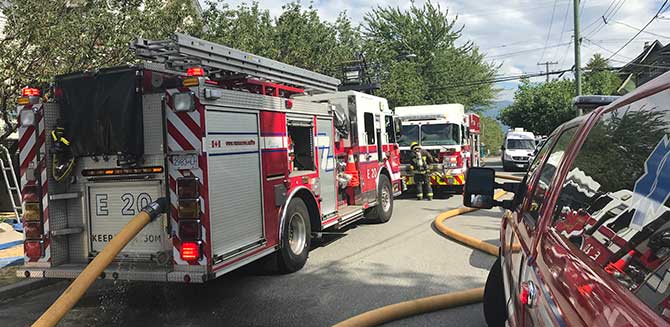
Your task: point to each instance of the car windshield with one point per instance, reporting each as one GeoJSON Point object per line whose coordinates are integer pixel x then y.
{"type": "Point", "coordinates": [520, 144]}
{"type": "Point", "coordinates": [440, 134]}
{"type": "Point", "coordinates": [410, 133]}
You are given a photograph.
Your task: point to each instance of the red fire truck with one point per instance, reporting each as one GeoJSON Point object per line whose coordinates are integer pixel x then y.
{"type": "Point", "coordinates": [452, 137]}
{"type": "Point", "coordinates": [256, 157]}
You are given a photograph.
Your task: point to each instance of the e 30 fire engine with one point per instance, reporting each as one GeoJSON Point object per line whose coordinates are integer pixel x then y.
{"type": "Point", "coordinates": [256, 157]}
{"type": "Point", "coordinates": [449, 134]}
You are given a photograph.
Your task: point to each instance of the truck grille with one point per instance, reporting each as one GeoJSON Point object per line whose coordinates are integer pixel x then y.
{"type": "Point", "coordinates": [520, 158]}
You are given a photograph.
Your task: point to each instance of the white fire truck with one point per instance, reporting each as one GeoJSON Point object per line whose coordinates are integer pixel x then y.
{"type": "Point", "coordinates": [449, 134]}
{"type": "Point", "coordinates": [256, 157]}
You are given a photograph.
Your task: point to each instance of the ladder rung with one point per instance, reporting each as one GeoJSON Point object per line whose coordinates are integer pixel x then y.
{"type": "Point", "coordinates": [14, 188]}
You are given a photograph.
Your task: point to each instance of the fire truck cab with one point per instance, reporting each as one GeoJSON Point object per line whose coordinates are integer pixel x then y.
{"type": "Point", "coordinates": [256, 157]}
{"type": "Point", "coordinates": [449, 134]}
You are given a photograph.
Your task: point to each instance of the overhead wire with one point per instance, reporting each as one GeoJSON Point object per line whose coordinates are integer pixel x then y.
{"type": "Point", "coordinates": [641, 30]}
{"type": "Point", "coordinates": [512, 54]}
{"type": "Point", "coordinates": [551, 24]}
{"type": "Point", "coordinates": [638, 29]}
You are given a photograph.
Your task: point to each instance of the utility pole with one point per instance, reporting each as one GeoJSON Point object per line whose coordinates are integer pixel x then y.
{"type": "Point", "coordinates": [547, 63]}
{"type": "Point", "coordinates": [578, 41]}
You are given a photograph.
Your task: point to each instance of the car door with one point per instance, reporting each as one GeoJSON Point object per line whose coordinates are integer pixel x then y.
{"type": "Point", "coordinates": [600, 266]}
{"type": "Point", "coordinates": [530, 291]}
{"type": "Point", "coordinates": [518, 235]}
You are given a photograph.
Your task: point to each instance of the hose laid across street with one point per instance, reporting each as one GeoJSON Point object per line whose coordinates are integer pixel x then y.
{"type": "Point", "coordinates": [415, 307]}
{"type": "Point", "coordinates": [76, 290]}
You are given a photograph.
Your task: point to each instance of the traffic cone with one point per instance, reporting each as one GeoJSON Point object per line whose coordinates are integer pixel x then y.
{"type": "Point", "coordinates": [620, 264]}
{"type": "Point", "coordinates": [350, 169]}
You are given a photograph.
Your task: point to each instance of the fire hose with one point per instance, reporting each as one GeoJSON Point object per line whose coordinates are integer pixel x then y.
{"type": "Point", "coordinates": [76, 290]}
{"type": "Point", "coordinates": [434, 303]}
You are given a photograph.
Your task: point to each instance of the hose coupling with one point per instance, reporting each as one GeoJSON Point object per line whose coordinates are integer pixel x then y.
{"type": "Point", "coordinates": [156, 208]}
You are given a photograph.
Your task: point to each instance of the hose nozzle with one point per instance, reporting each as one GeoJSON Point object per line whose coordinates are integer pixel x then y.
{"type": "Point", "coordinates": [154, 209]}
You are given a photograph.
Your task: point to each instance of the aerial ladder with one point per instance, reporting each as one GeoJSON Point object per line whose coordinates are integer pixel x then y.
{"type": "Point", "coordinates": [183, 51]}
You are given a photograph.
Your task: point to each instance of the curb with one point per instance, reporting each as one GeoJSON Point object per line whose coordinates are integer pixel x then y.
{"type": "Point", "coordinates": [21, 287]}
{"type": "Point", "coordinates": [4, 246]}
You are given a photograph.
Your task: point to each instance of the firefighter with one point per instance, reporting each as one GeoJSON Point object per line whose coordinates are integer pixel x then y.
{"type": "Point", "coordinates": [419, 164]}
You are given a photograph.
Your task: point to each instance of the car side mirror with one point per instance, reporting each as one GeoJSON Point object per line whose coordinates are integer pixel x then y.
{"type": "Point", "coordinates": [479, 186]}
{"type": "Point", "coordinates": [502, 148]}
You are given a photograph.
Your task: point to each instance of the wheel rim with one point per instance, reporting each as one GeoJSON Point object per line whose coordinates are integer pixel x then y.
{"type": "Point", "coordinates": [297, 233]}
{"type": "Point", "coordinates": [386, 199]}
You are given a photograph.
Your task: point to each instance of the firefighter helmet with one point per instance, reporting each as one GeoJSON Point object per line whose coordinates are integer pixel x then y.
{"type": "Point", "coordinates": [414, 145]}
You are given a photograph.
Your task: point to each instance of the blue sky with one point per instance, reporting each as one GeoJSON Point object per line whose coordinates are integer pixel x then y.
{"type": "Point", "coordinates": [514, 33]}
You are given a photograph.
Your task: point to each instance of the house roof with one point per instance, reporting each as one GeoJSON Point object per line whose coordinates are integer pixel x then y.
{"type": "Point", "coordinates": [650, 52]}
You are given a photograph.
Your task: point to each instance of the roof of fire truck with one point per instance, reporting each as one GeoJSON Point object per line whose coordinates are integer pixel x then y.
{"type": "Point", "coordinates": [380, 103]}
{"type": "Point", "coordinates": [450, 112]}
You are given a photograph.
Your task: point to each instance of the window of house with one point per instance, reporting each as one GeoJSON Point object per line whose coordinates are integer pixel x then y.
{"type": "Point", "coordinates": [613, 204]}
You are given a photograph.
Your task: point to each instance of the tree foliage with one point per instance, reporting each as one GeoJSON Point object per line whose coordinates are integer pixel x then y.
{"type": "Point", "coordinates": [417, 55]}
{"type": "Point", "coordinates": [541, 107]}
{"type": "Point", "coordinates": [492, 134]}
{"type": "Point", "coordinates": [47, 38]}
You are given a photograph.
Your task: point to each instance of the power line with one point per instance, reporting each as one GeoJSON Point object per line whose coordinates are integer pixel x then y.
{"type": "Point", "coordinates": [639, 65]}
{"type": "Point", "coordinates": [551, 24]}
{"type": "Point", "coordinates": [606, 18]}
{"type": "Point", "coordinates": [608, 50]}
{"type": "Point", "coordinates": [638, 29]}
{"type": "Point", "coordinates": [512, 54]}
{"type": "Point", "coordinates": [641, 30]}
{"type": "Point", "coordinates": [565, 21]}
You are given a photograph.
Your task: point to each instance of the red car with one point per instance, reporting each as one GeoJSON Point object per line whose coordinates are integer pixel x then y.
{"type": "Point", "coordinates": [586, 238]}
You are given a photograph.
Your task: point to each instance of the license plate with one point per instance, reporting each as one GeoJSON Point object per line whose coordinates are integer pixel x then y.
{"type": "Point", "coordinates": [113, 205]}
{"type": "Point", "coordinates": [187, 161]}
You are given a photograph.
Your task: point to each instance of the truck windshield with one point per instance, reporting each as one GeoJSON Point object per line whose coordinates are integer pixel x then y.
{"type": "Point", "coordinates": [520, 144]}
{"type": "Point", "coordinates": [410, 133]}
{"type": "Point", "coordinates": [440, 134]}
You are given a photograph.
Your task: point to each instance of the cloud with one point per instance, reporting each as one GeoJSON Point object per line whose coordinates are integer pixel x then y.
{"type": "Point", "coordinates": [515, 32]}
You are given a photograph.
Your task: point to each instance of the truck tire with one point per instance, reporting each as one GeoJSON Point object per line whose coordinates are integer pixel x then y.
{"type": "Point", "coordinates": [383, 211]}
{"type": "Point", "coordinates": [495, 310]}
{"type": "Point", "coordinates": [296, 238]}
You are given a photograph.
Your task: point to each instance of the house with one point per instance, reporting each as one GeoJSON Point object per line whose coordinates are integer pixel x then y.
{"type": "Point", "coordinates": [648, 65]}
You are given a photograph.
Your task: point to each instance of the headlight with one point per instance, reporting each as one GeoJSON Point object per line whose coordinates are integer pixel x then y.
{"type": "Point", "coordinates": [27, 117]}
{"type": "Point", "coordinates": [184, 101]}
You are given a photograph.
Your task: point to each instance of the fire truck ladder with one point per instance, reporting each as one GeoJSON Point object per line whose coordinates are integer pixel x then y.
{"type": "Point", "coordinates": [11, 183]}
{"type": "Point", "coordinates": [182, 51]}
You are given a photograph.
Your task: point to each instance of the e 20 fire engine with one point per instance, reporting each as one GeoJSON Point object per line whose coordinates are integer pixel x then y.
{"type": "Point", "coordinates": [256, 156]}
{"type": "Point", "coordinates": [449, 134]}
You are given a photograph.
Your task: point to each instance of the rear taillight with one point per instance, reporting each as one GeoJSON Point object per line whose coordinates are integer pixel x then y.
{"type": "Point", "coordinates": [190, 251]}
{"type": "Point", "coordinates": [188, 217]}
{"type": "Point", "coordinates": [31, 211]}
{"type": "Point", "coordinates": [30, 193]}
{"type": "Point", "coordinates": [189, 230]}
{"type": "Point", "coordinates": [33, 249]}
{"type": "Point", "coordinates": [32, 229]}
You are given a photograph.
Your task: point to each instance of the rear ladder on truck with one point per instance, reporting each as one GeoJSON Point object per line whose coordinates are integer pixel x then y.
{"type": "Point", "coordinates": [11, 182]}
{"type": "Point", "coordinates": [184, 51]}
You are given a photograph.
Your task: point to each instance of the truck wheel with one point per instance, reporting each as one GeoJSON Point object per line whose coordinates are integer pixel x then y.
{"type": "Point", "coordinates": [495, 310]}
{"type": "Point", "coordinates": [383, 211]}
{"type": "Point", "coordinates": [296, 238]}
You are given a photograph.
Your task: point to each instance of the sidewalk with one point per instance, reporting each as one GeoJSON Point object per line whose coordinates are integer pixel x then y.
{"type": "Point", "coordinates": [11, 254]}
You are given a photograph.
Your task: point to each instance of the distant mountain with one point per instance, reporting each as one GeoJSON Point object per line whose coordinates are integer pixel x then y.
{"type": "Point", "coordinates": [494, 111]}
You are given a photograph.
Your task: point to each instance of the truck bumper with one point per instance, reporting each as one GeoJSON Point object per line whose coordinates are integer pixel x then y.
{"type": "Point", "coordinates": [121, 271]}
{"type": "Point", "coordinates": [439, 179]}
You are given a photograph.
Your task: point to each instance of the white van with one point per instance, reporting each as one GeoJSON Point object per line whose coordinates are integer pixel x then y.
{"type": "Point", "coordinates": [518, 149]}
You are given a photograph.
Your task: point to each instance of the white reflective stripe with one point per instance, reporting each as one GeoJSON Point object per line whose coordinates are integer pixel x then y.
{"type": "Point", "coordinates": [27, 147]}
{"type": "Point", "coordinates": [274, 142]}
{"type": "Point", "coordinates": [322, 141]}
{"type": "Point", "coordinates": [195, 115]}
{"type": "Point", "coordinates": [364, 157]}
{"type": "Point", "coordinates": [184, 131]}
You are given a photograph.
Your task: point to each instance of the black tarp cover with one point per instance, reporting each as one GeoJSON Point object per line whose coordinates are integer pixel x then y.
{"type": "Point", "coordinates": [102, 112]}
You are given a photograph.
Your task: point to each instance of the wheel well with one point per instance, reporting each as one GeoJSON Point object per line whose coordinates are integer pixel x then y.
{"type": "Point", "coordinates": [312, 207]}
{"type": "Point", "coordinates": [385, 172]}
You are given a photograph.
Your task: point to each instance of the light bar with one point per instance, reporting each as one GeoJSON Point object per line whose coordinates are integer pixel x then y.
{"type": "Point", "coordinates": [122, 171]}
{"type": "Point", "coordinates": [195, 71]}
{"type": "Point", "coordinates": [30, 92]}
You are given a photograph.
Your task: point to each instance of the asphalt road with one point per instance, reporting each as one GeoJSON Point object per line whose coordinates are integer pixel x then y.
{"type": "Point", "coordinates": [365, 267]}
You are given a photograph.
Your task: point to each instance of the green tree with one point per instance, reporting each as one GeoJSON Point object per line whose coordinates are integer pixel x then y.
{"type": "Point", "coordinates": [599, 79]}
{"type": "Point", "coordinates": [438, 66]}
{"type": "Point", "coordinates": [47, 38]}
{"type": "Point", "coordinates": [492, 135]}
{"type": "Point", "coordinates": [540, 108]}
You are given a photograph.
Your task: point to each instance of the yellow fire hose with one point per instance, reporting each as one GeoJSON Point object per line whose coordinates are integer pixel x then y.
{"type": "Point", "coordinates": [76, 290]}
{"type": "Point", "coordinates": [415, 307]}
